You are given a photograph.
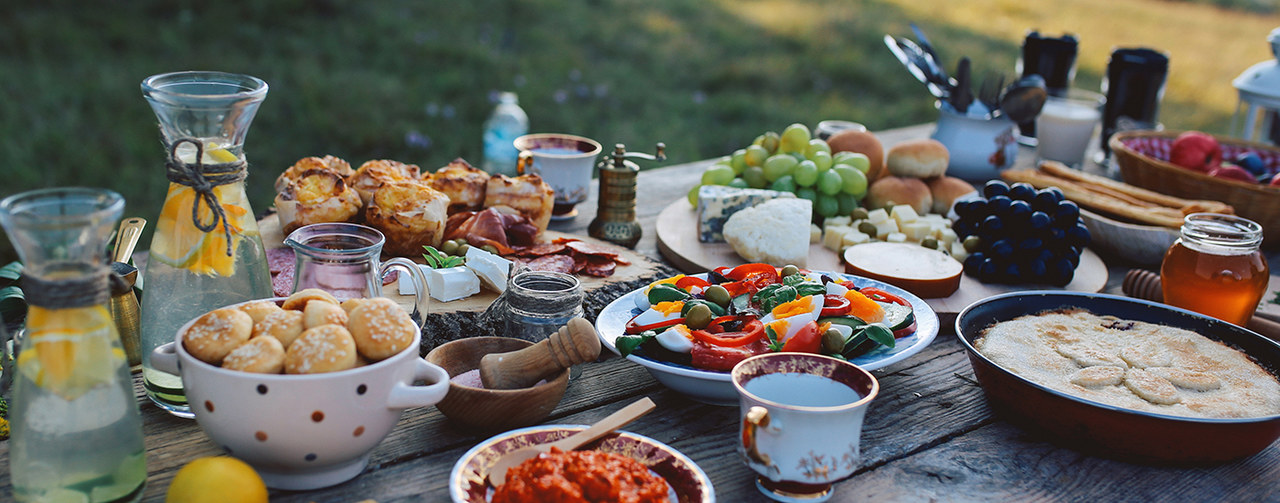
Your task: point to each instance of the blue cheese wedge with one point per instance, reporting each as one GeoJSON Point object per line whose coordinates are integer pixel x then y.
{"type": "Point", "coordinates": [716, 203]}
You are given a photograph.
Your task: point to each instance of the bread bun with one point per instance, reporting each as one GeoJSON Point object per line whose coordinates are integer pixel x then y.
{"type": "Point", "coordinates": [410, 214]}
{"type": "Point", "coordinates": [900, 190]}
{"type": "Point", "coordinates": [918, 158]}
{"type": "Point", "coordinates": [259, 309]}
{"type": "Point", "coordinates": [945, 191]}
{"type": "Point", "coordinates": [326, 348]}
{"type": "Point", "coordinates": [298, 301]}
{"type": "Point", "coordinates": [317, 196]}
{"type": "Point", "coordinates": [215, 334]}
{"type": "Point", "coordinates": [864, 143]}
{"type": "Point", "coordinates": [464, 184]}
{"type": "Point", "coordinates": [328, 163]}
{"type": "Point", "coordinates": [373, 174]}
{"type": "Point", "coordinates": [321, 312]}
{"type": "Point", "coordinates": [381, 328]}
{"type": "Point", "coordinates": [262, 355]}
{"type": "Point", "coordinates": [284, 326]}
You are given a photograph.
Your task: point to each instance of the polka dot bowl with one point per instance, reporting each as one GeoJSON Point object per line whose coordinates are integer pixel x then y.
{"type": "Point", "coordinates": [303, 432]}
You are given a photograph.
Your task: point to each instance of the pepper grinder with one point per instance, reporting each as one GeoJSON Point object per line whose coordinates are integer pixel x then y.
{"type": "Point", "coordinates": [616, 217]}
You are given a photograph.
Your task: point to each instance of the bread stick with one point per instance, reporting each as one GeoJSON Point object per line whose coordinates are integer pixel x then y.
{"type": "Point", "coordinates": [1062, 171]}
{"type": "Point", "coordinates": [1079, 193]}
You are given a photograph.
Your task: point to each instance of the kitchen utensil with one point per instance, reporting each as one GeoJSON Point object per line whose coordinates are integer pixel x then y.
{"type": "Point", "coordinates": [623, 417]}
{"type": "Point", "coordinates": [574, 343]}
{"type": "Point", "coordinates": [962, 95]}
{"type": "Point", "coordinates": [929, 50]}
{"type": "Point", "coordinates": [1024, 98]}
{"type": "Point", "coordinates": [915, 62]}
{"type": "Point", "coordinates": [124, 304]}
{"type": "Point", "coordinates": [989, 92]}
{"type": "Point", "coordinates": [1146, 285]}
{"type": "Point", "coordinates": [471, 407]}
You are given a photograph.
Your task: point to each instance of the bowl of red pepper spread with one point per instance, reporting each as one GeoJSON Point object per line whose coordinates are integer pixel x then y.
{"type": "Point", "coordinates": [637, 468]}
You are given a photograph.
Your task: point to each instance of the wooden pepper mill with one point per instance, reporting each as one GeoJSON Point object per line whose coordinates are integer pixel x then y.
{"type": "Point", "coordinates": [574, 343]}
{"type": "Point", "coordinates": [616, 217]}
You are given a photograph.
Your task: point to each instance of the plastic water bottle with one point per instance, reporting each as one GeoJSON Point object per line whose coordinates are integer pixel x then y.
{"type": "Point", "coordinates": [507, 123]}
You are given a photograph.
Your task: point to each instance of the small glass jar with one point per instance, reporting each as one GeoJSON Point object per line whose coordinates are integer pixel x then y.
{"type": "Point", "coordinates": [540, 302]}
{"type": "Point", "coordinates": [1215, 268]}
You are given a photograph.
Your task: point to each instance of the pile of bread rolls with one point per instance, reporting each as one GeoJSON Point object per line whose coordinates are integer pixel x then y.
{"type": "Point", "coordinates": [409, 207]}
{"type": "Point", "coordinates": [309, 333]}
{"type": "Point", "coordinates": [912, 172]}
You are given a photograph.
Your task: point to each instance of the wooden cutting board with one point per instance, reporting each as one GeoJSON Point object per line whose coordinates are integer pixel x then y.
{"type": "Point", "coordinates": [678, 241]}
{"type": "Point", "coordinates": [640, 267]}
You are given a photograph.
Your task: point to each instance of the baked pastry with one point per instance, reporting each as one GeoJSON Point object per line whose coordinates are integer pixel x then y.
{"type": "Point", "coordinates": [262, 355]}
{"type": "Point", "coordinates": [298, 301]}
{"type": "Point", "coordinates": [349, 304]}
{"type": "Point", "coordinates": [381, 328]}
{"type": "Point", "coordinates": [216, 333]}
{"type": "Point", "coordinates": [317, 196]}
{"type": "Point", "coordinates": [327, 163]}
{"type": "Point", "coordinates": [320, 312]}
{"type": "Point", "coordinates": [900, 190]}
{"type": "Point", "coordinates": [283, 325]}
{"type": "Point", "coordinates": [259, 309]}
{"type": "Point", "coordinates": [410, 214]}
{"type": "Point", "coordinates": [862, 142]}
{"type": "Point", "coordinates": [326, 348]}
{"type": "Point", "coordinates": [918, 158]}
{"type": "Point", "coordinates": [528, 195]}
{"type": "Point", "coordinates": [373, 174]}
{"type": "Point", "coordinates": [464, 184]}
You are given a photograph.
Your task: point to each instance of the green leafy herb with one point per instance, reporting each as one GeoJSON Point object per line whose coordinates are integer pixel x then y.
{"type": "Point", "coordinates": [13, 304]}
{"type": "Point", "coordinates": [810, 288]}
{"type": "Point", "coordinates": [436, 259]}
{"type": "Point", "coordinates": [793, 280]}
{"type": "Point", "coordinates": [774, 344]}
{"type": "Point", "coordinates": [628, 343]}
{"type": "Point", "coordinates": [1277, 299]}
{"type": "Point", "coordinates": [783, 294]}
{"type": "Point", "coordinates": [880, 333]}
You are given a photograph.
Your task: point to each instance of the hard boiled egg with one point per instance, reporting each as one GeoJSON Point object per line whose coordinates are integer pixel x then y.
{"type": "Point", "coordinates": [676, 339]}
{"type": "Point", "coordinates": [834, 288]}
{"type": "Point", "coordinates": [795, 314]}
{"type": "Point", "coordinates": [659, 312]}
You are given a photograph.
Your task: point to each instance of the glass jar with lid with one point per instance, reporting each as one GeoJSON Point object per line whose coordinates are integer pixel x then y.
{"type": "Point", "coordinates": [1215, 268]}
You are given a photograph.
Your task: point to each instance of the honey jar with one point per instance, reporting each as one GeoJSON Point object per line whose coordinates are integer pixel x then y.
{"type": "Point", "coordinates": [1215, 267]}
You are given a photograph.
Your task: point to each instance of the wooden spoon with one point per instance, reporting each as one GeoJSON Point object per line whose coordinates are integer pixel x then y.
{"type": "Point", "coordinates": [624, 416]}
{"type": "Point", "coordinates": [574, 343]}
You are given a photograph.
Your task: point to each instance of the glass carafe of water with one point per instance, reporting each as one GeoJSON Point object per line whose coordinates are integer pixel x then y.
{"type": "Point", "coordinates": [77, 435]}
{"type": "Point", "coordinates": [206, 252]}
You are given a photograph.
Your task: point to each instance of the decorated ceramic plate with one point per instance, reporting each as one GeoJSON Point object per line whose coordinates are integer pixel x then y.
{"type": "Point", "coordinates": [715, 387]}
{"type": "Point", "coordinates": [687, 482]}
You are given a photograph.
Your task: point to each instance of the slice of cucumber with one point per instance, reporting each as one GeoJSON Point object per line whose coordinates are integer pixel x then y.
{"type": "Point", "coordinates": [897, 316]}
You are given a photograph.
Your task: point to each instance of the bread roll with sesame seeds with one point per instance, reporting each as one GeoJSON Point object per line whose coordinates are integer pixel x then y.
{"type": "Point", "coordinates": [284, 326]}
{"type": "Point", "coordinates": [381, 328]}
{"type": "Point", "coordinates": [320, 312]}
{"type": "Point", "coordinates": [326, 348]}
{"type": "Point", "coordinates": [216, 333]}
{"type": "Point", "coordinates": [300, 298]}
{"type": "Point", "coordinates": [262, 355]}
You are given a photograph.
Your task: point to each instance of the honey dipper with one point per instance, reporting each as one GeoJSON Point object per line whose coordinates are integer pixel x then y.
{"type": "Point", "coordinates": [574, 343]}
{"type": "Point", "coordinates": [1143, 284]}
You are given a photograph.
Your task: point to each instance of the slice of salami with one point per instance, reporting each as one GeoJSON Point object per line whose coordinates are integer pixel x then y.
{"type": "Point", "coordinates": [564, 240]}
{"type": "Point", "coordinates": [591, 249]}
{"type": "Point", "coordinates": [390, 278]}
{"type": "Point", "coordinates": [280, 258]}
{"type": "Point", "coordinates": [541, 249]}
{"type": "Point", "coordinates": [579, 262]}
{"type": "Point", "coordinates": [621, 261]}
{"type": "Point", "coordinates": [554, 263]}
{"type": "Point", "coordinates": [600, 270]}
{"type": "Point", "coordinates": [282, 283]}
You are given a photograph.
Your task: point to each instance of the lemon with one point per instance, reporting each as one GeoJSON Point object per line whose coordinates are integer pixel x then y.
{"type": "Point", "coordinates": [216, 479]}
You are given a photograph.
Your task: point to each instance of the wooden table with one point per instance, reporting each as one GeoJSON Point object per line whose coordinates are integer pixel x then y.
{"type": "Point", "coordinates": [929, 436]}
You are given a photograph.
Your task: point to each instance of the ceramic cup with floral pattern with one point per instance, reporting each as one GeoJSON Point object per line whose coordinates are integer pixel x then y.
{"type": "Point", "coordinates": [565, 162]}
{"type": "Point", "coordinates": [801, 421]}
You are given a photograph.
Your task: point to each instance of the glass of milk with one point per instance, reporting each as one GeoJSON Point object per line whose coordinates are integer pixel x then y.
{"type": "Point", "coordinates": [1066, 124]}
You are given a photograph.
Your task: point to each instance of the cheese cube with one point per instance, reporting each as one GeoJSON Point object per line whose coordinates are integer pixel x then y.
{"type": "Point", "coordinates": [815, 234]}
{"type": "Point", "coordinates": [491, 269]}
{"type": "Point", "coordinates": [836, 221]}
{"type": "Point", "coordinates": [833, 237]}
{"type": "Point", "coordinates": [958, 252]}
{"type": "Point", "coordinates": [446, 285]}
{"type": "Point", "coordinates": [948, 236]}
{"type": "Point", "coordinates": [896, 237]}
{"type": "Point", "coordinates": [885, 228]}
{"type": "Point", "coordinates": [904, 213]}
{"type": "Point", "coordinates": [877, 215]}
{"type": "Point", "coordinates": [854, 237]}
{"type": "Point", "coordinates": [915, 231]}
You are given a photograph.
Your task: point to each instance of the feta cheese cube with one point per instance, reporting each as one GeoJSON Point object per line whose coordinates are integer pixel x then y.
{"type": "Point", "coordinates": [885, 228]}
{"type": "Point", "coordinates": [836, 221]}
{"type": "Point", "coordinates": [834, 236]}
{"type": "Point", "coordinates": [948, 236]}
{"type": "Point", "coordinates": [904, 214]}
{"type": "Point", "coordinates": [446, 285]}
{"type": "Point", "coordinates": [896, 237]}
{"type": "Point", "coordinates": [877, 215]}
{"type": "Point", "coordinates": [915, 231]}
{"type": "Point", "coordinates": [854, 237]}
{"type": "Point", "coordinates": [958, 252]}
{"type": "Point", "coordinates": [491, 269]}
{"type": "Point", "coordinates": [815, 234]}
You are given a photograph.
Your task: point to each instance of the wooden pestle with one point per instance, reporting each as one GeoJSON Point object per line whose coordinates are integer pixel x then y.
{"type": "Point", "coordinates": [574, 343]}
{"type": "Point", "coordinates": [1143, 284]}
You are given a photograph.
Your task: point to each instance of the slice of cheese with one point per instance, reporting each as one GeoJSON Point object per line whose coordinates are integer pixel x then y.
{"type": "Point", "coordinates": [716, 203]}
{"type": "Point", "coordinates": [446, 285]}
{"type": "Point", "coordinates": [914, 268]}
{"type": "Point", "coordinates": [491, 269]}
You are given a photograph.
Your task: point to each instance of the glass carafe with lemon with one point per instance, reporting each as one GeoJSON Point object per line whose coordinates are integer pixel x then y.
{"type": "Point", "coordinates": [76, 432]}
{"type": "Point", "coordinates": [206, 252]}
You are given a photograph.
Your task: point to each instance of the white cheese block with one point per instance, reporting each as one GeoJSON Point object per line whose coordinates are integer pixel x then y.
{"type": "Point", "coordinates": [958, 252]}
{"type": "Point", "coordinates": [834, 236]}
{"type": "Point", "coordinates": [775, 232]}
{"type": "Point", "coordinates": [854, 237]}
{"type": "Point", "coordinates": [904, 214]}
{"type": "Point", "coordinates": [836, 221]}
{"type": "Point", "coordinates": [491, 269]}
{"type": "Point", "coordinates": [885, 227]}
{"type": "Point", "coordinates": [877, 215]}
{"type": "Point", "coordinates": [915, 231]}
{"type": "Point", "coordinates": [446, 285]}
{"type": "Point", "coordinates": [815, 234]}
{"type": "Point", "coordinates": [716, 203]}
{"type": "Point", "coordinates": [896, 237]}
{"type": "Point", "coordinates": [948, 236]}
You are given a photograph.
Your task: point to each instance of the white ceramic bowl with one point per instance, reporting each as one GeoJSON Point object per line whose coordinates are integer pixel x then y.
{"type": "Point", "coordinates": [303, 431]}
{"type": "Point", "coordinates": [716, 387]}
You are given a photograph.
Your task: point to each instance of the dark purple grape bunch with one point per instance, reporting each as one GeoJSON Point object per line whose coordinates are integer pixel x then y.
{"type": "Point", "coordinates": [1017, 234]}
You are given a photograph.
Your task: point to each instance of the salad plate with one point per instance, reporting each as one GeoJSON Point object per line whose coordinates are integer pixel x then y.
{"type": "Point", "coordinates": [715, 387]}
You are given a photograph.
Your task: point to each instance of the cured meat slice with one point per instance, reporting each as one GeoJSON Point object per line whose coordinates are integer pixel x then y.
{"type": "Point", "coordinates": [541, 249]}
{"type": "Point", "coordinates": [554, 263]}
{"type": "Point", "coordinates": [579, 262]}
{"type": "Point", "coordinates": [282, 283]}
{"type": "Point", "coordinates": [278, 259]}
{"type": "Point", "coordinates": [600, 267]}
{"type": "Point", "coordinates": [591, 249]}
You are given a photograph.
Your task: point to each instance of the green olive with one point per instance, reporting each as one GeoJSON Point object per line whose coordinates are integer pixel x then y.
{"type": "Point", "coordinates": [833, 341]}
{"type": "Point", "coordinates": [930, 243]}
{"type": "Point", "coordinates": [462, 249]}
{"type": "Point", "coordinates": [461, 241]}
{"type": "Point", "coordinates": [859, 213]}
{"type": "Point", "coordinates": [867, 228]}
{"type": "Point", "coordinates": [698, 318]}
{"type": "Point", "coordinates": [718, 294]}
{"type": "Point", "coordinates": [449, 247]}
{"type": "Point", "coordinates": [972, 243]}
{"type": "Point", "coordinates": [789, 270]}
{"type": "Point", "coordinates": [490, 248]}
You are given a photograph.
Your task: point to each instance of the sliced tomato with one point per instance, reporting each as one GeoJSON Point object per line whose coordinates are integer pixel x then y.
{"type": "Point", "coordinates": [632, 329]}
{"type": "Point", "coordinates": [750, 332]}
{"type": "Point", "coordinates": [905, 331]}
{"type": "Point", "coordinates": [834, 305]}
{"type": "Point", "coordinates": [883, 296]}
{"type": "Point", "coordinates": [805, 340]}
{"type": "Point", "coordinates": [746, 270]}
{"type": "Point", "coordinates": [688, 282]}
{"type": "Point", "coordinates": [708, 357]}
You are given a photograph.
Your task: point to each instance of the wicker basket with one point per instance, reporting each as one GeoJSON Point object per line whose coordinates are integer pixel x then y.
{"type": "Point", "coordinates": [1143, 159]}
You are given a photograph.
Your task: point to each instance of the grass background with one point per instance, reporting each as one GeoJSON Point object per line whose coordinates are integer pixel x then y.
{"type": "Point", "coordinates": [414, 80]}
